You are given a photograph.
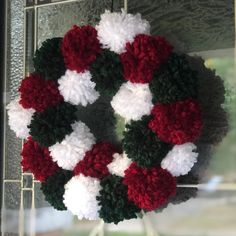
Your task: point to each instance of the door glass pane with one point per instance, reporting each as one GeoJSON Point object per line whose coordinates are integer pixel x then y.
{"type": "Point", "coordinates": [204, 28]}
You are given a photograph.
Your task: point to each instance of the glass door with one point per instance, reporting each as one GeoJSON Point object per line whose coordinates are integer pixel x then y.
{"type": "Point", "coordinates": [202, 28]}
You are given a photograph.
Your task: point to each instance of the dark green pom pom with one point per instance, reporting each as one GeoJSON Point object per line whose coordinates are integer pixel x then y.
{"type": "Point", "coordinates": [115, 206]}
{"type": "Point", "coordinates": [107, 72]}
{"type": "Point", "coordinates": [53, 188]}
{"type": "Point", "coordinates": [142, 145]}
{"type": "Point", "coordinates": [53, 124]}
{"type": "Point", "coordinates": [174, 81]}
{"type": "Point", "coordinates": [48, 60]}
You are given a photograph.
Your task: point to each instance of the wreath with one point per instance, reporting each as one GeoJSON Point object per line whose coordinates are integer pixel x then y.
{"type": "Point", "coordinates": [113, 72]}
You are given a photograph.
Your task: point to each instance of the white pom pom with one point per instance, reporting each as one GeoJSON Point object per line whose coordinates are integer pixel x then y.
{"type": "Point", "coordinates": [77, 88]}
{"type": "Point", "coordinates": [73, 148]}
{"type": "Point", "coordinates": [120, 163]}
{"type": "Point", "coordinates": [116, 29]}
{"type": "Point", "coordinates": [80, 197]}
{"type": "Point", "coordinates": [180, 160]}
{"type": "Point", "coordinates": [132, 101]}
{"type": "Point", "coordinates": [19, 118]}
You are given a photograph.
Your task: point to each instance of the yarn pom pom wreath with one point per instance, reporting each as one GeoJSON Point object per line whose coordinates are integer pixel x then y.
{"type": "Point", "coordinates": [116, 121]}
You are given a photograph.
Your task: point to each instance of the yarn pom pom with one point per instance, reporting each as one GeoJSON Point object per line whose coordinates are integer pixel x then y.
{"type": "Point", "coordinates": [77, 88]}
{"type": "Point", "coordinates": [120, 163]}
{"type": "Point", "coordinates": [143, 56]}
{"type": "Point", "coordinates": [107, 72]}
{"type": "Point", "coordinates": [174, 81]}
{"type": "Point", "coordinates": [80, 197]}
{"type": "Point", "coordinates": [48, 60]}
{"type": "Point", "coordinates": [37, 160]}
{"type": "Point", "coordinates": [96, 160]}
{"type": "Point", "coordinates": [37, 93]}
{"type": "Point", "coordinates": [116, 29]}
{"type": "Point", "coordinates": [132, 101]}
{"type": "Point", "coordinates": [73, 148]}
{"type": "Point", "coordinates": [53, 188]}
{"type": "Point", "coordinates": [150, 188]}
{"type": "Point", "coordinates": [142, 145]}
{"type": "Point", "coordinates": [19, 118]}
{"type": "Point", "coordinates": [180, 160]}
{"type": "Point", "coordinates": [53, 124]}
{"type": "Point", "coordinates": [80, 47]}
{"type": "Point", "coordinates": [115, 206]}
{"type": "Point", "coordinates": [178, 122]}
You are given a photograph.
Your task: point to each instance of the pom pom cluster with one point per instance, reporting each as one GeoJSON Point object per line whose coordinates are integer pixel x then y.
{"type": "Point", "coordinates": [80, 197]}
{"type": "Point", "coordinates": [73, 148]}
{"type": "Point", "coordinates": [142, 145]}
{"type": "Point", "coordinates": [178, 122]}
{"type": "Point", "coordinates": [53, 124]}
{"type": "Point", "coordinates": [77, 88]}
{"type": "Point", "coordinates": [143, 56]}
{"type": "Point", "coordinates": [37, 160]}
{"type": "Point", "coordinates": [115, 30]}
{"type": "Point", "coordinates": [19, 118]}
{"type": "Point", "coordinates": [80, 47]}
{"type": "Point", "coordinates": [96, 160]}
{"type": "Point", "coordinates": [53, 188]}
{"type": "Point", "coordinates": [150, 86]}
{"type": "Point", "coordinates": [149, 188]}
{"type": "Point", "coordinates": [38, 93]}
{"type": "Point", "coordinates": [48, 60]}
{"type": "Point", "coordinates": [113, 195]}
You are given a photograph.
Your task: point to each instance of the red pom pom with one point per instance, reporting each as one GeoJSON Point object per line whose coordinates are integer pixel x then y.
{"type": "Point", "coordinates": [177, 123]}
{"type": "Point", "coordinates": [80, 47]}
{"type": "Point", "coordinates": [149, 188]}
{"type": "Point", "coordinates": [37, 160]}
{"type": "Point", "coordinates": [96, 160]}
{"type": "Point", "coordinates": [37, 93]}
{"type": "Point", "coordinates": [143, 56]}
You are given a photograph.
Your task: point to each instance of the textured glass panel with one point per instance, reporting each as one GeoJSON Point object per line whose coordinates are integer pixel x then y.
{"type": "Point", "coordinates": [12, 196]}
{"type": "Point", "coordinates": [14, 76]}
{"type": "Point", "coordinates": [10, 208]}
{"type": "Point", "coordinates": [46, 217]}
{"type": "Point", "coordinates": [56, 20]}
{"type": "Point", "coordinates": [191, 25]}
{"type": "Point", "coordinates": [15, 46]}
{"type": "Point", "coordinates": [29, 41]}
{"type": "Point", "coordinates": [27, 199]}
{"type": "Point", "coordinates": [27, 181]}
{"type": "Point", "coordinates": [29, 2]}
{"type": "Point", "coordinates": [12, 156]}
{"type": "Point", "coordinates": [39, 197]}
